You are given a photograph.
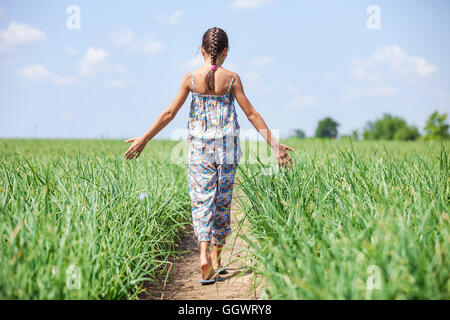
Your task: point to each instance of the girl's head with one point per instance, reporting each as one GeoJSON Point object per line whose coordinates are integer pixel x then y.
{"type": "Point", "coordinates": [214, 47]}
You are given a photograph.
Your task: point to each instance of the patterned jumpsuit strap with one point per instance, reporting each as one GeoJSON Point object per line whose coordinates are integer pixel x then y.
{"type": "Point", "coordinates": [204, 110]}
{"type": "Point", "coordinates": [231, 83]}
{"type": "Point", "coordinates": [193, 85]}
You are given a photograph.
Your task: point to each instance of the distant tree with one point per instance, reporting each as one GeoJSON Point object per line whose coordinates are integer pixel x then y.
{"type": "Point", "coordinates": [355, 135]}
{"type": "Point", "coordinates": [406, 133]}
{"type": "Point", "coordinates": [299, 133]}
{"type": "Point", "coordinates": [390, 128]}
{"type": "Point", "coordinates": [327, 128]}
{"type": "Point", "coordinates": [436, 127]}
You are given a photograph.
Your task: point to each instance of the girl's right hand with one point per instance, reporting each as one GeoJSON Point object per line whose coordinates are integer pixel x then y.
{"type": "Point", "coordinates": [282, 156]}
{"type": "Point", "coordinates": [136, 148]}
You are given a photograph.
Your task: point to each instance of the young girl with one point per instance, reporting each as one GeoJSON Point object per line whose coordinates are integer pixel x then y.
{"type": "Point", "coordinates": [214, 150]}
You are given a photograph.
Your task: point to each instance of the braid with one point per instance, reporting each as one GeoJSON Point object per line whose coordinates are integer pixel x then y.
{"type": "Point", "coordinates": [214, 41]}
{"type": "Point", "coordinates": [214, 46]}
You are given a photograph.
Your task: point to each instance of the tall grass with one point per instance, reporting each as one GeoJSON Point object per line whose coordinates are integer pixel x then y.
{"type": "Point", "coordinates": [69, 206]}
{"type": "Point", "coordinates": [348, 215]}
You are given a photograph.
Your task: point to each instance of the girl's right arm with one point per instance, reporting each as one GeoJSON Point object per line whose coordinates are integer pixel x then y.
{"type": "Point", "coordinates": [164, 118]}
{"type": "Point", "coordinates": [258, 122]}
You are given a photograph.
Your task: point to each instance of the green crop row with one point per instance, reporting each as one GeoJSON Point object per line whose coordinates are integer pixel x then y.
{"type": "Point", "coordinates": [77, 221]}
{"type": "Point", "coordinates": [361, 220]}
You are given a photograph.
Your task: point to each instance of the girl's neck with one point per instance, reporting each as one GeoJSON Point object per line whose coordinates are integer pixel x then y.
{"type": "Point", "coordinates": [207, 62]}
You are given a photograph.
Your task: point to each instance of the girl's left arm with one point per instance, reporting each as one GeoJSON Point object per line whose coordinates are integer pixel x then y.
{"type": "Point", "coordinates": [164, 118]}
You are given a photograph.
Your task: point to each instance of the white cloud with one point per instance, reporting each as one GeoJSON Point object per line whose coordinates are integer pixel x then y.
{"type": "Point", "coordinates": [39, 73]}
{"type": "Point", "coordinates": [396, 60]}
{"type": "Point", "coordinates": [423, 67]}
{"type": "Point", "coordinates": [92, 58]}
{"type": "Point", "coordinates": [174, 18]}
{"type": "Point", "coordinates": [19, 34]}
{"type": "Point", "coordinates": [121, 35]}
{"type": "Point", "coordinates": [402, 63]}
{"type": "Point", "coordinates": [385, 61]}
{"type": "Point", "coordinates": [36, 72]}
{"type": "Point", "coordinates": [261, 62]}
{"type": "Point", "coordinates": [303, 101]}
{"type": "Point", "coordinates": [250, 4]}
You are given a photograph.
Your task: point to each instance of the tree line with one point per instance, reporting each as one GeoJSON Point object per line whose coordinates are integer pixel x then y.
{"type": "Point", "coordinates": [386, 128]}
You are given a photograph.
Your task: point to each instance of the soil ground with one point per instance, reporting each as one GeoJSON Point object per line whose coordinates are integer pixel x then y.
{"type": "Point", "coordinates": [183, 281]}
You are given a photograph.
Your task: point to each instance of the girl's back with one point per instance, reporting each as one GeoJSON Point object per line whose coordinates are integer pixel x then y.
{"type": "Point", "coordinates": [212, 114]}
{"type": "Point", "coordinates": [222, 80]}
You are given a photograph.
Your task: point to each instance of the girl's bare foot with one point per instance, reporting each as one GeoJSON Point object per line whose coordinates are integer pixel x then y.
{"type": "Point", "coordinates": [207, 269]}
{"type": "Point", "coordinates": [215, 256]}
{"type": "Point", "coordinates": [205, 261]}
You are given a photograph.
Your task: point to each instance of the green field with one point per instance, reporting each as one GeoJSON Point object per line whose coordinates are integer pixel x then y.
{"type": "Point", "coordinates": [368, 221]}
{"type": "Point", "coordinates": [71, 209]}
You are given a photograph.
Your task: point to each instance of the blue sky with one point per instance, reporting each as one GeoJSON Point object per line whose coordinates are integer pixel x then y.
{"type": "Point", "coordinates": [300, 61]}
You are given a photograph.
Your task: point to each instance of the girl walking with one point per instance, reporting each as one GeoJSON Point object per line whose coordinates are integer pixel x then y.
{"type": "Point", "coordinates": [214, 150]}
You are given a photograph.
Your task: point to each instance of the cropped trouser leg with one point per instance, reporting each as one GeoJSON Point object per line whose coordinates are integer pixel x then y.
{"type": "Point", "coordinates": [211, 190]}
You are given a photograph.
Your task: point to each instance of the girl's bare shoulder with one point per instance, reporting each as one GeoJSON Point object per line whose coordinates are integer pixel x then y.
{"type": "Point", "coordinates": [221, 72]}
{"type": "Point", "coordinates": [227, 73]}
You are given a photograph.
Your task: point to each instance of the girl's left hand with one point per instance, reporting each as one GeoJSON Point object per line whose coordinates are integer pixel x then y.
{"type": "Point", "coordinates": [136, 148]}
{"type": "Point", "coordinates": [282, 156]}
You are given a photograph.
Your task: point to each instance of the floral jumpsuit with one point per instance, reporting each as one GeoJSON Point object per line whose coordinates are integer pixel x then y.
{"type": "Point", "coordinates": [214, 154]}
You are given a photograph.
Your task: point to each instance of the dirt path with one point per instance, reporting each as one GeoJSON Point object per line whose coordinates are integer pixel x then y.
{"type": "Point", "coordinates": [183, 283]}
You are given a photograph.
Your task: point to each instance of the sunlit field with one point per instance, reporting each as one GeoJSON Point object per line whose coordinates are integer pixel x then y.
{"type": "Point", "coordinates": [77, 221]}
{"type": "Point", "coordinates": [361, 220]}
{"type": "Point", "coordinates": [367, 220]}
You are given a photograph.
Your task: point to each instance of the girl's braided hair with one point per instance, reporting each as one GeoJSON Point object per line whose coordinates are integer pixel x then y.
{"type": "Point", "coordinates": [214, 41]}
